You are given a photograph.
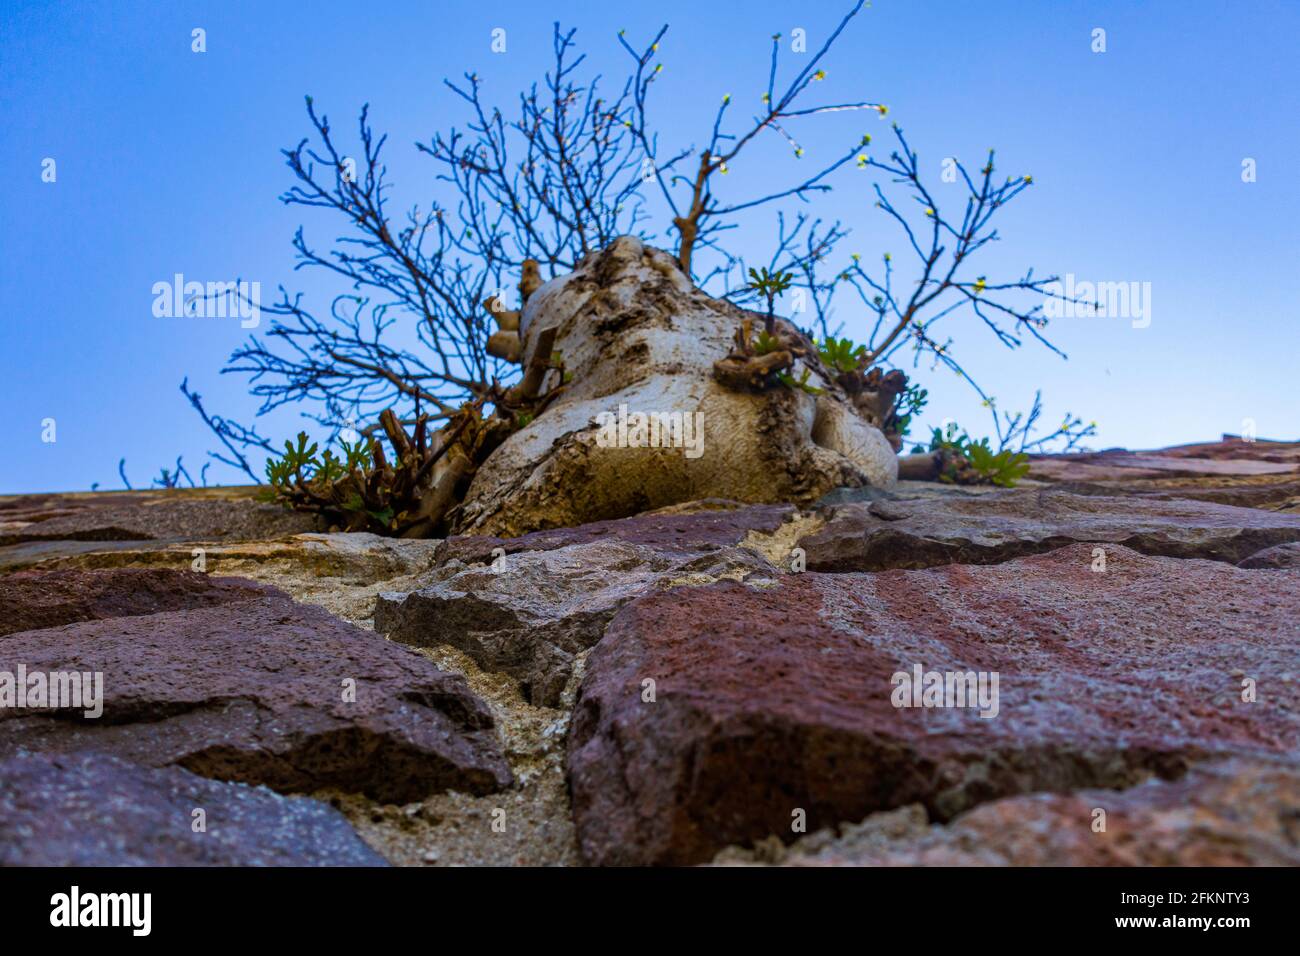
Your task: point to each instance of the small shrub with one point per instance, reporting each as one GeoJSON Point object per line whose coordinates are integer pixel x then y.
{"type": "Point", "coordinates": [970, 462]}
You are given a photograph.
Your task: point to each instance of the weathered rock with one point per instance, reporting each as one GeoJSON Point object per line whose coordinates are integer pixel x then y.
{"type": "Point", "coordinates": [532, 613]}
{"type": "Point", "coordinates": [1279, 556]}
{"type": "Point", "coordinates": [341, 572]}
{"type": "Point", "coordinates": [97, 810]}
{"type": "Point", "coordinates": [255, 691]}
{"type": "Point", "coordinates": [1225, 813]}
{"type": "Point", "coordinates": [638, 337]}
{"type": "Point", "coordinates": [30, 600]}
{"type": "Point", "coordinates": [770, 700]}
{"type": "Point", "coordinates": [188, 515]}
{"type": "Point", "coordinates": [1231, 457]}
{"type": "Point", "coordinates": [51, 554]}
{"type": "Point", "coordinates": [1235, 448]}
{"type": "Point", "coordinates": [716, 524]}
{"type": "Point", "coordinates": [1256, 474]}
{"type": "Point", "coordinates": [358, 557]}
{"type": "Point", "coordinates": [907, 489]}
{"type": "Point", "coordinates": [1129, 466]}
{"type": "Point", "coordinates": [1269, 492]}
{"type": "Point", "coordinates": [1010, 524]}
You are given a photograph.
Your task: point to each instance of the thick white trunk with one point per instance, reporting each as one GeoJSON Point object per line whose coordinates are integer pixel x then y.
{"type": "Point", "coordinates": [634, 332]}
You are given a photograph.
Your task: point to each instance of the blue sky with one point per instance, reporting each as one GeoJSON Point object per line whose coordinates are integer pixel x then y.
{"type": "Point", "coordinates": [168, 161]}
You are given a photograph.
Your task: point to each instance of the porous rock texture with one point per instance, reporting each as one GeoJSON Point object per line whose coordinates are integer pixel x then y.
{"type": "Point", "coordinates": [31, 600]}
{"type": "Point", "coordinates": [1234, 812]}
{"type": "Point", "coordinates": [633, 331]}
{"type": "Point", "coordinates": [1008, 524]}
{"type": "Point", "coordinates": [1233, 471]}
{"type": "Point", "coordinates": [195, 514]}
{"type": "Point", "coordinates": [708, 526]}
{"type": "Point", "coordinates": [1278, 556]}
{"type": "Point", "coordinates": [1158, 685]}
{"type": "Point", "coordinates": [529, 606]}
{"type": "Point", "coordinates": [261, 690]}
{"type": "Point", "coordinates": [778, 699]}
{"type": "Point", "coordinates": [92, 809]}
{"type": "Point", "coordinates": [1231, 457]}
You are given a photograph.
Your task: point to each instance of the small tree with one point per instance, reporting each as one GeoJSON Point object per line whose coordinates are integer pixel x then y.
{"type": "Point", "coordinates": [531, 195]}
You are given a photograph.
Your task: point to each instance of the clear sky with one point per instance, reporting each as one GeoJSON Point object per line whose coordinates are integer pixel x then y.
{"type": "Point", "coordinates": [167, 161]}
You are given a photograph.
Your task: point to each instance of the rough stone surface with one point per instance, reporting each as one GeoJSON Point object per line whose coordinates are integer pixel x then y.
{"type": "Point", "coordinates": [1231, 457]}
{"type": "Point", "coordinates": [1009, 524]}
{"type": "Point", "coordinates": [713, 524]}
{"type": "Point", "coordinates": [778, 698]}
{"type": "Point", "coordinates": [532, 614]}
{"type": "Point", "coordinates": [456, 828]}
{"type": "Point", "coordinates": [1127, 466]}
{"type": "Point", "coordinates": [1110, 686]}
{"type": "Point", "coordinates": [1279, 556]}
{"type": "Point", "coordinates": [908, 489]}
{"type": "Point", "coordinates": [97, 810]}
{"type": "Point", "coordinates": [254, 691]}
{"type": "Point", "coordinates": [191, 515]}
{"type": "Point", "coordinates": [1267, 492]}
{"type": "Point", "coordinates": [341, 572]}
{"type": "Point", "coordinates": [30, 600]}
{"type": "Point", "coordinates": [1259, 474]}
{"type": "Point", "coordinates": [636, 334]}
{"type": "Point", "coordinates": [1229, 813]}
{"type": "Point", "coordinates": [1235, 448]}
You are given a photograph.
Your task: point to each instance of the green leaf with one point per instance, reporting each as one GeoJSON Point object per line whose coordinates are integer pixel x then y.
{"type": "Point", "coordinates": [842, 355]}
{"type": "Point", "coordinates": [384, 517]}
{"type": "Point", "coordinates": [1003, 469]}
{"type": "Point", "coordinates": [766, 343]}
{"type": "Point", "coordinates": [802, 384]}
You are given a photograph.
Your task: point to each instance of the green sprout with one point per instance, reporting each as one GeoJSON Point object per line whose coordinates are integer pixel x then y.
{"type": "Point", "coordinates": [769, 285]}
{"type": "Point", "coordinates": [789, 381]}
{"type": "Point", "coordinates": [842, 355]}
{"type": "Point", "coordinates": [974, 462]}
